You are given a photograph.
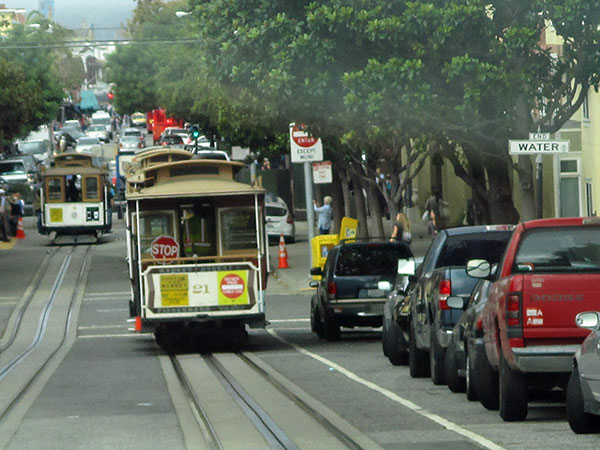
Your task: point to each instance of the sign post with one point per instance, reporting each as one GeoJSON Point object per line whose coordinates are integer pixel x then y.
{"type": "Point", "coordinates": [306, 149]}
{"type": "Point", "coordinates": [538, 144]}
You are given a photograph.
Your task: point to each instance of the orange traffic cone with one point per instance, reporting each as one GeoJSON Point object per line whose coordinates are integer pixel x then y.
{"type": "Point", "coordinates": [283, 256]}
{"type": "Point", "coordinates": [20, 230]}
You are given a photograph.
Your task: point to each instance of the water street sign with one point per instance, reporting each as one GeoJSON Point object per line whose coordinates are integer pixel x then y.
{"type": "Point", "coordinates": [304, 147]}
{"type": "Point", "coordinates": [539, 136]}
{"type": "Point", "coordinates": [530, 147]}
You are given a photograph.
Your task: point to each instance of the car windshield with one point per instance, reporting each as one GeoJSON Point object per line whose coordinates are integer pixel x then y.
{"type": "Point", "coordinates": [33, 148]}
{"type": "Point", "coordinates": [102, 120]}
{"type": "Point", "coordinates": [133, 132]}
{"type": "Point", "coordinates": [12, 168]}
{"type": "Point", "coordinates": [461, 248]}
{"type": "Point", "coordinates": [88, 141]}
{"type": "Point", "coordinates": [129, 140]}
{"type": "Point", "coordinates": [370, 259]}
{"type": "Point", "coordinates": [568, 249]}
{"type": "Point", "coordinates": [96, 128]}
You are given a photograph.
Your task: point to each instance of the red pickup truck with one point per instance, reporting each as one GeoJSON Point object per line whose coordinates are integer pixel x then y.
{"type": "Point", "coordinates": [550, 273]}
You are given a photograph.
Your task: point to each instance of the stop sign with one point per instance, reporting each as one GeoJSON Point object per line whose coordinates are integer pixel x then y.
{"type": "Point", "coordinates": [164, 248]}
{"type": "Point", "coordinates": [301, 137]}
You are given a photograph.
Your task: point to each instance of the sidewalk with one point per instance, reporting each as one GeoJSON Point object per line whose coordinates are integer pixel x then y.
{"type": "Point", "coordinates": [295, 279]}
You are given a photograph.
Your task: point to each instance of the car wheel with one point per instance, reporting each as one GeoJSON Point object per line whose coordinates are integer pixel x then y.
{"type": "Point", "coordinates": [513, 393]}
{"type": "Point", "coordinates": [396, 352]}
{"type": "Point", "coordinates": [418, 361]}
{"type": "Point", "coordinates": [315, 319]}
{"type": "Point", "coordinates": [469, 385]}
{"type": "Point", "coordinates": [579, 421]}
{"type": "Point", "coordinates": [485, 380]}
{"type": "Point", "coordinates": [331, 329]}
{"type": "Point", "coordinates": [436, 359]}
{"type": "Point", "coordinates": [455, 382]}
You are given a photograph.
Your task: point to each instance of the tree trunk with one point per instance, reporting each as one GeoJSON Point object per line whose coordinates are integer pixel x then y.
{"type": "Point", "coordinates": [528, 210]}
{"type": "Point", "coordinates": [338, 201]}
{"type": "Point", "coordinates": [375, 208]}
{"type": "Point", "coordinates": [502, 208]}
{"type": "Point", "coordinates": [343, 176]}
{"type": "Point", "coordinates": [361, 210]}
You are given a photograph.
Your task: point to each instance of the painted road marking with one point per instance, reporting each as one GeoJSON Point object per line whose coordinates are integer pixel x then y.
{"type": "Point", "coordinates": [122, 335]}
{"type": "Point", "coordinates": [393, 396]}
{"type": "Point", "coordinates": [288, 320]}
{"type": "Point", "coordinates": [99, 327]}
{"type": "Point", "coordinates": [104, 294]}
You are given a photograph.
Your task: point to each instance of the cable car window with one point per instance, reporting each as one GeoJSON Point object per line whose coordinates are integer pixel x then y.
{"type": "Point", "coordinates": [73, 188]}
{"type": "Point", "coordinates": [54, 189]}
{"type": "Point", "coordinates": [238, 229]}
{"type": "Point", "coordinates": [154, 224]}
{"type": "Point", "coordinates": [91, 191]}
{"type": "Point", "coordinates": [198, 231]}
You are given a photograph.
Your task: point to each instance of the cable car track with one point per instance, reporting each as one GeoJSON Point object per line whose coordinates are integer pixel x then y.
{"type": "Point", "coordinates": [14, 371]}
{"type": "Point", "coordinates": [252, 406]}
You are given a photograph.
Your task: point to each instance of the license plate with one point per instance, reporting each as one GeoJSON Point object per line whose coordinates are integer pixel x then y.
{"type": "Point", "coordinates": [374, 293]}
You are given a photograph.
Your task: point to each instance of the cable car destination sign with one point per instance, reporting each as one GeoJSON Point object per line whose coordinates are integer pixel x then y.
{"type": "Point", "coordinates": [538, 143]}
{"type": "Point", "coordinates": [304, 146]}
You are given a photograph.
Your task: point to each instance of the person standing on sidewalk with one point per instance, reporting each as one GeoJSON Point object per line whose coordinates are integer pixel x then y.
{"type": "Point", "coordinates": [402, 230]}
{"type": "Point", "coordinates": [325, 215]}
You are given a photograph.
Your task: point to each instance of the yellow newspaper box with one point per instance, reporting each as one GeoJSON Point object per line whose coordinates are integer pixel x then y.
{"type": "Point", "coordinates": [320, 249]}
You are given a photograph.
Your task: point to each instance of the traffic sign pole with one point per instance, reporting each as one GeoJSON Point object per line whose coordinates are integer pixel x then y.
{"type": "Point", "coordinates": [310, 212]}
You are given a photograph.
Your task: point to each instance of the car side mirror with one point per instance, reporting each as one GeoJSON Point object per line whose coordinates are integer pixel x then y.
{"type": "Point", "coordinates": [385, 286]}
{"type": "Point", "coordinates": [406, 266]}
{"type": "Point", "coordinates": [478, 268]}
{"type": "Point", "coordinates": [313, 284]}
{"type": "Point", "coordinates": [455, 302]}
{"type": "Point", "coordinates": [316, 271]}
{"type": "Point", "coordinates": [589, 320]}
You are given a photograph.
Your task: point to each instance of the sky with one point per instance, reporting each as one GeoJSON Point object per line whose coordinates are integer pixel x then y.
{"type": "Point", "coordinates": [72, 13]}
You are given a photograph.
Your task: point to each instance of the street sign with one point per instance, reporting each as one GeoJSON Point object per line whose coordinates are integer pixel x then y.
{"type": "Point", "coordinates": [304, 147]}
{"type": "Point", "coordinates": [164, 248]}
{"type": "Point", "coordinates": [322, 173]}
{"type": "Point", "coordinates": [530, 147]}
{"type": "Point", "coordinates": [539, 136]}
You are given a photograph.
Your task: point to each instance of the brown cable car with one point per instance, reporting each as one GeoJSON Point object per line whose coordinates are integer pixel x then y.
{"type": "Point", "coordinates": [196, 247]}
{"type": "Point", "coordinates": [74, 199]}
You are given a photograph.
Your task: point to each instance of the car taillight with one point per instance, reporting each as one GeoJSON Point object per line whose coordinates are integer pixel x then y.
{"type": "Point", "coordinates": [513, 310]}
{"type": "Point", "coordinates": [444, 293]}
{"type": "Point", "coordinates": [120, 145]}
{"type": "Point", "coordinates": [290, 220]}
{"type": "Point", "coordinates": [331, 288]}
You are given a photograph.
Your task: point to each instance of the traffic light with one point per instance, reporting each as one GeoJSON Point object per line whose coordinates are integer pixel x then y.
{"type": "Point", "coordinates": [195, 131]}
{"type": "Point", "coordinates": [110, 95]}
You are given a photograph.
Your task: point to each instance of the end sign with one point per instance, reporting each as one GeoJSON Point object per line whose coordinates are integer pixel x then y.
{"type": "Point", "coordinates": [304, 147]}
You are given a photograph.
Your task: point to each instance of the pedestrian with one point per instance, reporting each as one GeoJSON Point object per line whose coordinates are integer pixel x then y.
{"type": "Point", "coordinates": [109, 205]}
{"type": "Point", "coordinates": [4, 217]}
{"type": "Point", "coordinates": [16, 212]}
{"type": "Point", "coordinates": [402, 230]}
{"type": "Point", "coordinates": [325, 215]}
{"type": "Point", "coordinates": [431, 213]}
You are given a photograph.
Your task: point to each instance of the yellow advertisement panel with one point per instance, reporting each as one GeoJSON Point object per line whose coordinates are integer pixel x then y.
{"type": "Point", "coordinates": [233, 287]}
{"type": "Point", "coordinates": [56, 215]}
{"type": "Point", "coordinates": [174, 290]}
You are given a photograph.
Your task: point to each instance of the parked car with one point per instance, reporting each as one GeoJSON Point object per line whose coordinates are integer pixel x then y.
{"type": "Point", "coordinates": [423, 318]}
{"type": "Point", "coordinates": [279, 221]}
{"type": "Point", "coordinates": [348, 294]}
{"type": "Point", "coordinates": [98, 131]}
{"type": "Point", "coordinates": [20, 173]}
{"type": "Point", "coordinates": [88, 144]}
{"type": "Point", "coordinates": [467, 336]}
{"type": "Point", "coordinates": [73, 124]}
{"type": "Point", "coordinates": [138, 119]}
{"type": "Point", "coordinates": [211, 154]}
{"type": "Point", "coordinates": [133, 132]}
{"type": "Point", "coordinates": [549, 274]}
{"type": "Point", "coordinates": [174, 131]}
{"type": "Point", "coordinates": [40, 149]}
{"type": "Point", "coordinates": [583, 401]}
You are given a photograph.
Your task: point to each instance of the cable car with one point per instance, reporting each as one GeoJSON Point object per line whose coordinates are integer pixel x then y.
{"type": "Point", "coordinates": [196, 248]}
{"type": "Point", "coordinates": [74, 197]}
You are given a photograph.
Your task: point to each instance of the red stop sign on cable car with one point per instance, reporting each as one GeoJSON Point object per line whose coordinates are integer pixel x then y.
{"type": "Point", "coordinates": [164, 248]}
{"type": "Point", "coordinates": [301, 137]}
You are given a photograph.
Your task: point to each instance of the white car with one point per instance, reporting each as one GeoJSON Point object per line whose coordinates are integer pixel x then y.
{"type": "Point", "coordinates": [98, 131]}
{"type": "Point", "coordinates": [91, 145]}
{"type": "Point", "coordinates": [279, 220]}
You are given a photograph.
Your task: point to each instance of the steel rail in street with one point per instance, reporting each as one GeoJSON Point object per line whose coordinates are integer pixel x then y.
{"type": "Point", "coordinates": [42, 324]}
